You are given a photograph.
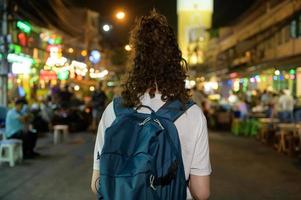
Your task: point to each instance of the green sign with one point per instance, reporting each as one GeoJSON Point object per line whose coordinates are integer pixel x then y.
{"type": "Point", "coordinates": [24, 26]}
{"type": "Point", "coordinates": [21, 58]}
{"type": "Point", "coordinates": [63, 75]}
{"type": "Point", "coordinates": [13, 48]}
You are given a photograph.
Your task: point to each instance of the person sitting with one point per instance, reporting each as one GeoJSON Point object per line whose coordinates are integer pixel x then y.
{"type": "Point", "coordinates": [285, 107]}
{"type": "Point", "coordinates": [15, 125]}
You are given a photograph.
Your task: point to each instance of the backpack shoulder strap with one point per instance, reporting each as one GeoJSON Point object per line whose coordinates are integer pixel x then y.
{"type": "Point", "coordinates": [174, 109]}
{"type": "Point", "coordinates": [119, 108]}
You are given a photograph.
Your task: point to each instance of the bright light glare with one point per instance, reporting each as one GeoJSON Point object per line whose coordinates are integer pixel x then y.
{"type": "Point", "coordinates": [92, 88]}
{"type": "Point", "coordinates": [120, 15]}
{"type": "Point", "coordinates": [70, 50]}
{"type": "Point", "coordinates": [106, 27]}
{"type": "Point", "coordinates": [76, 88]}
{"type": "Point", "coordinates": [128, 47]}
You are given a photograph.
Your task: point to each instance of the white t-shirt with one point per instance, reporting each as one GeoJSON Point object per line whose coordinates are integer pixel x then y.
{"type": "Point", "coordinates": [286, 103]}
{"type": "Point", "coordinates": [192, 129]}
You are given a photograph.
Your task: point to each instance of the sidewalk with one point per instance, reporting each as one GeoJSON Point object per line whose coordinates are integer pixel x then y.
{"type": "Point", "coordinates": [62, 172]}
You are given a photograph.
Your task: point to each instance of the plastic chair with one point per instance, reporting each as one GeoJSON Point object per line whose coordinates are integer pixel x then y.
{"type": "Point", "coordinates": [10, 150]}
{"type": "Point", "coordinates": [60, 129]}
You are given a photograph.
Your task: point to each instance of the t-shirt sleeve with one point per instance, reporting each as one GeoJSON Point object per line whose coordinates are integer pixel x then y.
{"type": "Point", "coordinates": [200, 165]}
{"type": "Point", "coordinates": [106, 120]}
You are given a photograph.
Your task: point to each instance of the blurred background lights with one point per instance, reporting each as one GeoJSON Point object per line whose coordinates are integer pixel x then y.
{"type": "Point", "coordinates": [92, 88]}
{"type": "Point", "coordinates": [70, 50]}
{"type": "Point", "coordinates": [84, 53]}
{"type": "Point", "coordinates": [277, 72]}
{"type": "Point", "coordinates": [76, 87]}
{"type": "Point", "coordinates": [95, 56]}
{"type": "Point", "coordinates": [120, 15]}
{"type": "Point", "coordinates": [128, 47]}
{"type": "Point", "coordinates": [106, 27]}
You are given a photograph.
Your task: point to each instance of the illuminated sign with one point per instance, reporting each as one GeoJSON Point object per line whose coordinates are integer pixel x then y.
{"type": "Point", "coordinates": [55, 58]}
{"type": "Point", "coordinates": [63, 75]}
{"type": "Point", "coordinates": [21, 68]}
{"type": "Point", "coordinates": [19, 58]}
{"type": "Point", "coordinates": [47, 75]}
{"type": "Point", "coordinates": [24, 26]}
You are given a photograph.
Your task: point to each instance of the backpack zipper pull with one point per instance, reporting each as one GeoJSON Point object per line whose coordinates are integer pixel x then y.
{"type": "Point", "coordinates": [145, 121]}
{"type": "Point", "coordinates": [159, 123]}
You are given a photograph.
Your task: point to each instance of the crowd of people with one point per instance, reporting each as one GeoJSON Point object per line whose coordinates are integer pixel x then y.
{"type": "Point", "coordinates": [269, 104]}
{"type": "Point", "coordinates": [243, 105]}
{"type": "Point", "coordinates": [26, 121]}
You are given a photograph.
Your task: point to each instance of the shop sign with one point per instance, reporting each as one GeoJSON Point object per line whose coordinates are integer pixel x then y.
{"type": "Point", "coordinates": [21, 68]}
{"type": "Point", "coordinates": [47, 75]}
{"type": "Point", "coordinates": [19, 58]}
{"type": "Point", "coordinates": [24, 26]}
{"type": "Point", "coordinates": [63, 75]}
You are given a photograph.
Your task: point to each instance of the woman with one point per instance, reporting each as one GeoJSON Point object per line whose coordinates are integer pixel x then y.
{"type": "Point", "coordinates": [158, 75]}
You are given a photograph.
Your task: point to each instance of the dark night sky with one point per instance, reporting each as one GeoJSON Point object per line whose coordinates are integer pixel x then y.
{"type": "Point", "coordinates": [225, 11]}
{"type": "Point", "coordinates": [133, 8]}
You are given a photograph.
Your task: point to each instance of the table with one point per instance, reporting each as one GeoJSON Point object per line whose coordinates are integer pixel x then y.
{"type": "Point", "coordinates": [265, 125]}
{"type": "Point", "coordinates": [286, 130]}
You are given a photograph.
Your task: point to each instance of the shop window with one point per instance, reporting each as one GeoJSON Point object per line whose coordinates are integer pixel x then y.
{"type": "Point", "coordinates": [293, 29]}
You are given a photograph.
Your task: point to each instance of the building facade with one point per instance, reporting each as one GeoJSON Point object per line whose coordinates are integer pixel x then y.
{"type": "Point", "coordinates": [261, 50]}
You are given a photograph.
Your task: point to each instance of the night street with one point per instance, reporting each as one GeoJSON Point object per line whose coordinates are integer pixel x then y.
{"type": "Point", "coordinates": [243, 168]}
{"type": "Point", "coordinates": [120, 93]}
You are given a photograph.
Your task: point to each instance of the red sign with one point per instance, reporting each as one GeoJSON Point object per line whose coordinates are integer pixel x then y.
{"type": "Point", "coordinates": [47, 75]}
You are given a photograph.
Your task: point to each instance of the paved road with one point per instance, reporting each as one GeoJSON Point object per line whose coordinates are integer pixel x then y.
{"type": "Point", "coordinates": [243, 169]}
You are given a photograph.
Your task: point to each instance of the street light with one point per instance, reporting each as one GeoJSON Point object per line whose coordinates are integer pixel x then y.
{"type": "Point", "coordinates": [128, 47]}
{"type": "Point", "coordinates": [120, 15]}
{"type": "Point", "coordinates": [106, 27]}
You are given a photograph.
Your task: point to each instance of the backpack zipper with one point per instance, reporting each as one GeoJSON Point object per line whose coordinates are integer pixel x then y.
{"type": "Point", "coordinates": [145, 121]}
{"type": "Point", "coordinates": [159, 123]}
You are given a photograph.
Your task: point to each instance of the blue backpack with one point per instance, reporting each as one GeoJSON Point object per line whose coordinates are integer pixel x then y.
{"type": "Point", "coordinates": [141, 158]}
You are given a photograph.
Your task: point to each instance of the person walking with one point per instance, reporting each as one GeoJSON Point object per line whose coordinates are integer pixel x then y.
{"type": "Point", "coordinates": [156, 81]}
{"type": "Point", "coordinates": [99, 100]}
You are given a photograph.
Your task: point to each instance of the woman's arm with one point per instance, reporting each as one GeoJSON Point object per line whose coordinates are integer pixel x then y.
{"type": "Point", "coordinates": [199, 187]}
{"type": "Point", "coordinates": [94, 181]}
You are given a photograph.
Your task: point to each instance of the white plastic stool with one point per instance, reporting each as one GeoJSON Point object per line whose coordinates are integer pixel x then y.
{"type": "Point", "coordinates": [60, 129]}
{"type": "Point", "coordinates": [11, 151]}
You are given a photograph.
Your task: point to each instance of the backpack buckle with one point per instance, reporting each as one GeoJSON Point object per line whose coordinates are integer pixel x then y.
{"type": "Point", "coordinates": [151, 180]}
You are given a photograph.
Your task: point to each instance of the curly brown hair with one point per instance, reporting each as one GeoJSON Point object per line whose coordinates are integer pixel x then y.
{"type": "Point", "coordinates": [157, 62]}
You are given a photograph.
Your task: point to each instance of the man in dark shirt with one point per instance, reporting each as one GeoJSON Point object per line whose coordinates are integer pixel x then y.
{"type": "Point", "coordinates": [99, 99]}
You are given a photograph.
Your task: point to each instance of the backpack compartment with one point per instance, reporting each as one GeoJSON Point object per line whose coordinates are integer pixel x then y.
{"type": "Point", "coordinates": [125, 162]}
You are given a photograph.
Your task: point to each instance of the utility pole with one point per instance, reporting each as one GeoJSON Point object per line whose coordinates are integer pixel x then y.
{"type": "Point", "coordinates": [4, 50]}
